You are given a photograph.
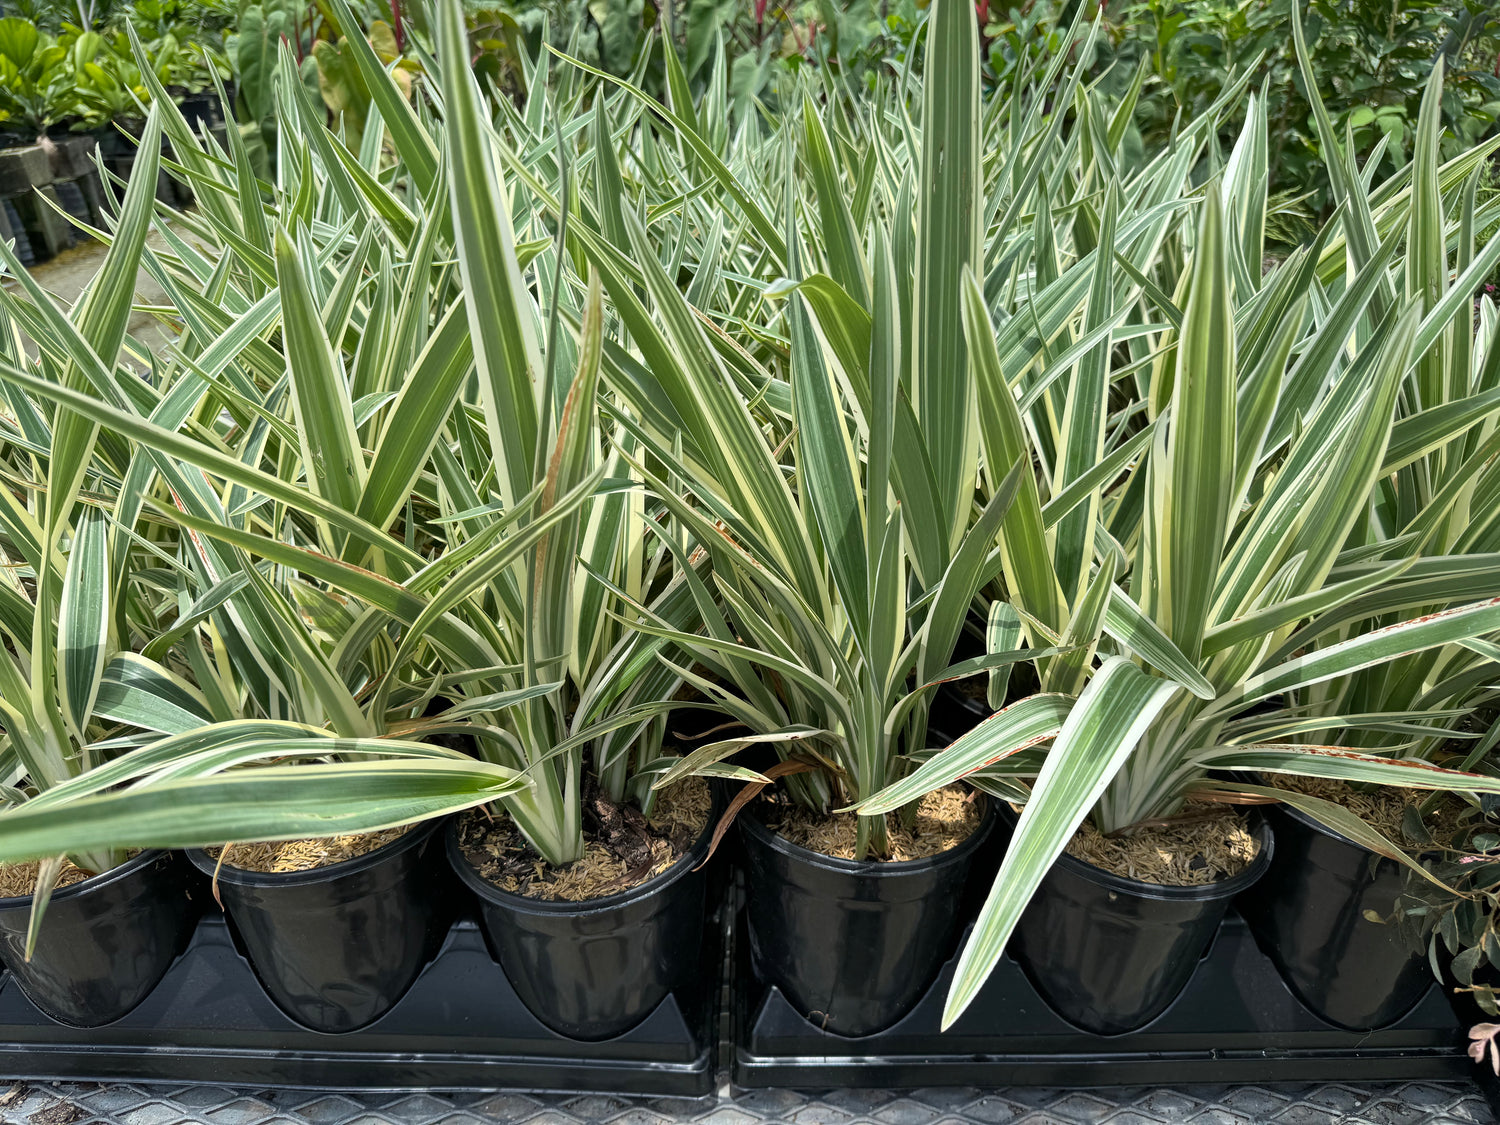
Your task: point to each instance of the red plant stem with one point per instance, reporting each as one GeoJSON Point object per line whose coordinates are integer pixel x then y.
{"type": "Point", "coordinates": [397, 26]}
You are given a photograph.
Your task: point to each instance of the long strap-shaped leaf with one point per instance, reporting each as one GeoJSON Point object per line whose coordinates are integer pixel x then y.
{"type": "Point", "coordinates": [167, 443]}
{"type": "Point", "coordinates": [1345, 764]}
{"type": "Point", "coordinates": [331, 454]}
{"type": "Point", "coordinates": [506, 351]}
{"type": "Point", "coordinates": [1100, 733]}
{"type": "Point", "coordinates": [1024, 550]}
{"type": "Point", "coordinates": [83, 620]}
{"type": "Point", "coordinates": [412, 142]}
{"type": "Point", "coordinates": [272, 803]}
{"type": "Point", "coordinates": [1365, 651]}
{"type": "Point", "coordinates": [948, 243]}
{"type": "Point", "coordinates": [1027, 722]}
{"type": "Point", "coordinates": [829, 470]}
{"type": "Point", "coordinates": [1193, 518]}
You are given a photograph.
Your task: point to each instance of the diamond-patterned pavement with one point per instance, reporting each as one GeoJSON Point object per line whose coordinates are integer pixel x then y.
{"type": "Point", "coordinates": [1324, 1103]}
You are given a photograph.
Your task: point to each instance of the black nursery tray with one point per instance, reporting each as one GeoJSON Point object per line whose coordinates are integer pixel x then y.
{"type": "Point", "coordinates": [1235, 1022]}
{"type": "Point", "coordinates": [460, 1026]}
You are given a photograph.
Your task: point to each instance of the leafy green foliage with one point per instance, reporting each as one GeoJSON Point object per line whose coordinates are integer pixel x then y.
{"type": "Point", "coordinates": [1372, 60]}
{"type": "Point", "coordinates": [1453, 917]}
{"type": "Point", "coordinates": [86, 78]}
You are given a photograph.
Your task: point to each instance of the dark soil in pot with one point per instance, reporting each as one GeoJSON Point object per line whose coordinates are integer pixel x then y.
{"type": "Point", "coordinates": [1109, 953]}
{"type": "Point", "coordinates": [594, 948]}
{"type": "Point", "coordinates": [853, 945]}
{"type": "Point", "coordinates": [1310, 916]}
{"type": "Point", "coordinates": [106, 940]}
{"type": "Point", "coordinates": [336, 945]}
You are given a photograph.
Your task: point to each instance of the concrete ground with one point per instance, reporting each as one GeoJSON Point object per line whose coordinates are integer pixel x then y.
{"type": "Point", "coordinates": [66, 276]}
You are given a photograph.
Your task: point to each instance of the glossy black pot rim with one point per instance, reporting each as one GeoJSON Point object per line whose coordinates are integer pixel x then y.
{"type": "Point", "coordinates": [876, 868]}
{"type": "Point", "coordinates": [522, 904]}
{"type": "Point", "coordinates": [93, 882]}
{"type": "Point", "coordinates": [1308, 821]}
{"type": "Point", "coordinates": [1164, 892]}
{"type": "Point", "coordinates": [243, 877]}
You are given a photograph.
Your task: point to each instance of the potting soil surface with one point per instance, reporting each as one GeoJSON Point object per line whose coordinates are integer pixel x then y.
{"type": "Point", "coordinates": [1407, 1103]}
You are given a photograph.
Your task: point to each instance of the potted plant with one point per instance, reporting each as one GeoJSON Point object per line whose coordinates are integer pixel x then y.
{"type": "Point", "coordinates": [272, 669]}
{"type": "Point", "coordinates": [829, 608]}
{"type": "Point", "coordinates": [1431, 505]}
{"type": "Point", "coordinates": [87, 714]}
{"type": "Point", "coordinates": [610, 923]}
{"type": "Point", "coordinates": [533, 679]}
{"type": "Point", "coordinates": [1219, 571]}
{"type": "Point", "coordinates": [67, 671]}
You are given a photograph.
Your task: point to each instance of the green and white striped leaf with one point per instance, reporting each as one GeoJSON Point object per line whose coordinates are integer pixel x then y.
{"type": "Point", "coordinates": [83, 619]}
{"type": "Point", "coordinates": [1100, 733]}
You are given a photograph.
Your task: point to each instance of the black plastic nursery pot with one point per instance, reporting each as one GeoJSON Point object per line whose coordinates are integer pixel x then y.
{"type": "Point", "coordinates": [852, 945]}
{"type": "Point", "coordinates": [1109, 954]}
{"type": "Point", "coordinates": [1235, 1022]}
{"type": "Point", "coordinates": [460, 1026]}
{"type": "Point", "coordinates": [104, 942]}
{"type": "Point", "coordinates": [337, 946]}
{"type": "Point", "coordinates": [956, 712]}
{"type": "Point", "coordinates": [593, 970]}
{"type": "Point", "coordinates": [1122, 985]}
{"type": "Point", "coordinates": [1308, 916]}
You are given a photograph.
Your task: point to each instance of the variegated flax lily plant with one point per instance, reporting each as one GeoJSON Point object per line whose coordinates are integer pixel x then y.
{"type": "Point", "coordinates": [112, 738]}
{"type": "Point", "coordinates": [385, 489]}
{"type": "Point", "coordinates": [838, 550]}
{"type": "Point", "coordinates": [1273, 417]}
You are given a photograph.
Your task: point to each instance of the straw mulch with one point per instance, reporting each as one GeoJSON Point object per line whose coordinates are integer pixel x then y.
{"type": "Point", "coordinates": [945, 819]}
{"type": "Point", "coordinates": [1207, 844]}
{"type": "Point", "coordinates": [285, 856]}
{"type": "Point", "coordinates": [1383, 808]}
{"type": "Point", "coordinates": [18, 879]}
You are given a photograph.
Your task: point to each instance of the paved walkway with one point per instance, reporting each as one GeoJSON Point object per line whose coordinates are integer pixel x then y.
{"type": "Point", "coordinates": [1413, 1103]}
{"type": "Point", "coordinates": [66, 275]}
